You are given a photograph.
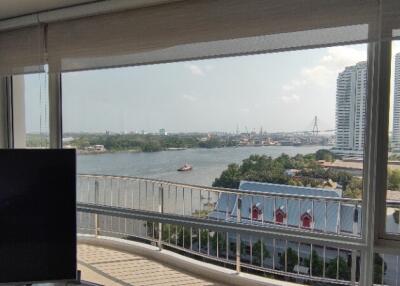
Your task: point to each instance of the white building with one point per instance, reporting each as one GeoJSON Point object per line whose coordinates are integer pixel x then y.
{"type": "Point", "coordinates": [350, 109]}
{"type": "Point", "coordinates": [99, 148]}
{"type": "Point", "coordinates": [396, 107]}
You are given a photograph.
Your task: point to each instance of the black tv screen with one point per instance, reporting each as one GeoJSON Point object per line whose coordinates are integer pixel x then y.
{"type": "Point", "coordinates": [37, 215]}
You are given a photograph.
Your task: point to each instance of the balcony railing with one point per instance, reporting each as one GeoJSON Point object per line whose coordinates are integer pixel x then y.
{"type": "Point", "coordinates": [221, 225]}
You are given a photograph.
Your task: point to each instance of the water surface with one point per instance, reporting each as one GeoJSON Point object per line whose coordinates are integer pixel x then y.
{"type": "Point", "coordinates": [207, 163]}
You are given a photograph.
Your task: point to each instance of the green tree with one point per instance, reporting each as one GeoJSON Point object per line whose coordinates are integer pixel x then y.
{"type": "Point", "coordinates": [230, 178]}
{"type": "Point", "coordinates": [261, 168]}
{"type": "Point", "coordinates": [325, 155]}
{"type": "Point", "coordinates": [151, 146]}
{"type": "Point", "coordinates": [292, 259]}
{"type": "Point", "coordinates": [344, 269]}
{"type": "Point", "coordinates": [258, 248]}
{"type": "Point", "coordinates": [217, 239]}
{"type": "Point", "coordinates": [353, 188]}
{"type": "Point", "coordinates": [394, 179]}
{"type": "Point", "coordinates": [317, 264]}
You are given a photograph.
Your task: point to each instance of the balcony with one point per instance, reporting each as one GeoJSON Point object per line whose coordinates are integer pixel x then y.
{"type": "Point", "coordinates": [109, 266]}
{"type": "Point", "coordinates": [230, 231]}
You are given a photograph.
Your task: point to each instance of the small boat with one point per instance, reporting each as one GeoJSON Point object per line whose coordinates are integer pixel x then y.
{"type": "Point", "coordinates": [185, 168]}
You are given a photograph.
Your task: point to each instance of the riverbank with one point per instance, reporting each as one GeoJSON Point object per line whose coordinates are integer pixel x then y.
{"type": "Point", "coordinates": [94, 152]}
{"type": "Point", "coordinates": [86, 152]}
{"type": "Point", "coordinates": [208, 164]}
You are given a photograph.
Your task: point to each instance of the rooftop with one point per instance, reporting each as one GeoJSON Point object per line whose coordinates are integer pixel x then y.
{"type": "Point", "coordinates": [288, 189]}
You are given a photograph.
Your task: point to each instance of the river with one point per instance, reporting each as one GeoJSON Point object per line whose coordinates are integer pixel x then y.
{"type": "Point", "coordinates": [207, 163]}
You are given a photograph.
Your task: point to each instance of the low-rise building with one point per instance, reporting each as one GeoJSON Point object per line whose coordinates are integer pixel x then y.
{"type": "Point", "coordinates": [99, 148]}
{"type": "Point", "coordinates": [291, 210]}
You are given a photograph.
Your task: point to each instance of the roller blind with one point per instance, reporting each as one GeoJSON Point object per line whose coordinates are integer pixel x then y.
{"type": "Point", "coordinates": [391, 18]}
{"type": "Point", "coordinates": [22, 51]}
{"type": "Point", "coordinates": [196, 29]}
{"type": "Point", "coordinates": [223, 48]}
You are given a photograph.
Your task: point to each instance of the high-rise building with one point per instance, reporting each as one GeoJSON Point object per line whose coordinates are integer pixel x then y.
{"type": "Point", "coordinates": [350, 109]}
{"type": "Point", "coordinates": [396, 106]}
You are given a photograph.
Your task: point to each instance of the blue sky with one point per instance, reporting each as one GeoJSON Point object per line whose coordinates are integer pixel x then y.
{"type": "Point", "coordinates": [278, 92]}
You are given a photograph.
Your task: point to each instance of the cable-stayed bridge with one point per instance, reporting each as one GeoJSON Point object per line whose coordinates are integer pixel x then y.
{"type": "Point", "coordinates": [312, 129]}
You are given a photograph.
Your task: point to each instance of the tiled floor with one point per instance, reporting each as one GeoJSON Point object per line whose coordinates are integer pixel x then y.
{"type": "Point", "coordinates": [110, 267]}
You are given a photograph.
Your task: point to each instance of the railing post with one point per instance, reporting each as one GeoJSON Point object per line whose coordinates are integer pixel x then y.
{"type": "Point", "coordinates": [160, 210]}
{"type": "Point", "coordinates": [96, 201]}
{"type": "Point", "coordinates": [238, 241]}
{"type": "Point", "coordinates": [353, 267]}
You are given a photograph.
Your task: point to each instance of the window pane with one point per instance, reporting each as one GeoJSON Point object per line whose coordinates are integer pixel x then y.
{"type": "Point", "coordinates": [290, 125]}
{"type": "Point", "coordinates": [393, 193]}
{"type": "Point", "coordinates": [31, 110]}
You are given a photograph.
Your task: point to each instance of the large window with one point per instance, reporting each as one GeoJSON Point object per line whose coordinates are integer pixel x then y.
{"type": "Point", "coordinates": [286, 123]}
{"type": "Point", "coordinates": [271, 118]}
{"type": "Point", "coordinates": [134, 121]}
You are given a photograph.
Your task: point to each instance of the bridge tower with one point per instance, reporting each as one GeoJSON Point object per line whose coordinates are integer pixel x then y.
{"type": "Point", "coordinates": [315, 129]}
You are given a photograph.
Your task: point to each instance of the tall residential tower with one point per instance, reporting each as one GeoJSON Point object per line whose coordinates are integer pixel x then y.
{"type": "Point", "coordinates": [396, 106]}
{"type": "Point", "coordinates": [350, 109]}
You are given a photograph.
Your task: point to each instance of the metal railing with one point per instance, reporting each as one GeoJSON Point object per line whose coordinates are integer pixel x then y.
{"type": "Point", "coordinates": [339, 216]}
{"type": "Point", "coordinates": [219, 225]}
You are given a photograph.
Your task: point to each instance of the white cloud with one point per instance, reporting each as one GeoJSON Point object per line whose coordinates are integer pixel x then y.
{"type": "Point", "coordinates": [245, 110]}
{"type": "Point", "coordinates": [332, 64]}
{"type": "Point", "coordinates": [292, 98]}
{"type": "Point", "coordinates": [319, 75]}
{"type": "Point", "coordinates": [189, 97]}
{"type": "Point", "coordinates": [324, 72]}
{"type": "Point", "coordinates": [293, 84]}
{"type": "Point", "coordinates": [343, 56]}
{"type": "Point", "coordinates": [195, 69]}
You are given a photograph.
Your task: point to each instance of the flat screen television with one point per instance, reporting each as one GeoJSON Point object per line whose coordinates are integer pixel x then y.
{"type": "Point", "coordinates": [37, 215]}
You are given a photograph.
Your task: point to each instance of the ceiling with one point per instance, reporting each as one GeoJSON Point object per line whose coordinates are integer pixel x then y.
{"type": "Point", "coordinates": [15, 8]}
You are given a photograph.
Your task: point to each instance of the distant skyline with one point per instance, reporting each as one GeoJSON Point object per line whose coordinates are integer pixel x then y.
{"type": "Point", "coordinates": [278, 92]}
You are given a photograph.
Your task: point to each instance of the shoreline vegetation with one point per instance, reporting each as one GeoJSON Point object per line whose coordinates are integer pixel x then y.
{"type": "Point", "coordinates": [133, 142]}
{"type": "Point", "coordinates": [87, 143]}
{"type": "Point", "coordinates": [149, 142]}
{"type": "Point", "coordinates": [301, 170]}
{"type": "Point", "coordinates": [94, 152]}
{"type": "Point", "coordinates": [105, 151]}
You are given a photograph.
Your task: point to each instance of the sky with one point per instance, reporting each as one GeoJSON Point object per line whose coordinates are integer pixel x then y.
{"type": "Point", "coordinates": [275, 92]}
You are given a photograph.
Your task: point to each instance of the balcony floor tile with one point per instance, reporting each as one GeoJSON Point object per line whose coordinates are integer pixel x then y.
{"type": "Point", "coordinates": [113, 268]}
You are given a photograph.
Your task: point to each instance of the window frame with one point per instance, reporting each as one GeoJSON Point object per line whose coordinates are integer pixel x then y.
{"type": "Point", "coordinates": [374, 237]}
